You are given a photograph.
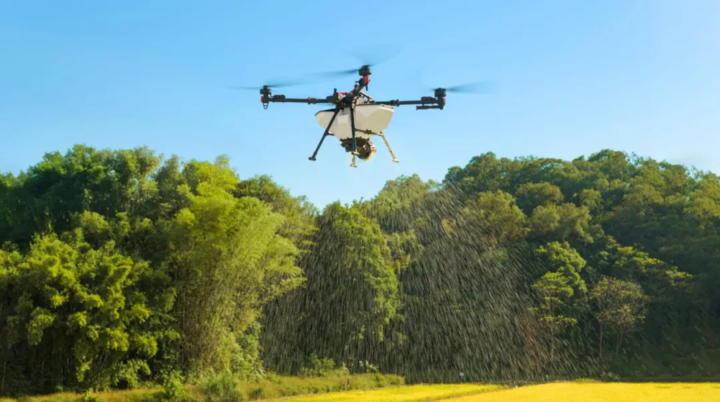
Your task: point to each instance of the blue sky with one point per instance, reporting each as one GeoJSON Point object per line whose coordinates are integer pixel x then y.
{"type": "Point", "coordinates": [573, 77]}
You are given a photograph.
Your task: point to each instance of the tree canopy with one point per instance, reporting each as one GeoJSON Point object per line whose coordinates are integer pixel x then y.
{"type": "Point", "coordinates": [122, 267]}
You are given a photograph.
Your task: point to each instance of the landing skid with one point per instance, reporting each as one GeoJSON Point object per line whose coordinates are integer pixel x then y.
{"type": "Point", "coordinates": [325, 134]}
{"type": "Point", "coordinates": [394, 159]}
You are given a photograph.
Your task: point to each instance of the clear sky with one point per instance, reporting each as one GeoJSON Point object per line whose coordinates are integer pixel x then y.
{"type": "Point", "coordinates": [573, 77]}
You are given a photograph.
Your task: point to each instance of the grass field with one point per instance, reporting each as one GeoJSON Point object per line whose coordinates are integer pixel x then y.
{"type": "Point", "coordinates": [560, 392]}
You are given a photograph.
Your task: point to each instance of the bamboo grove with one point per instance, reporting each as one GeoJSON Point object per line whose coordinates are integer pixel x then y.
{"type": "Point", "coordinates": [123, 268]}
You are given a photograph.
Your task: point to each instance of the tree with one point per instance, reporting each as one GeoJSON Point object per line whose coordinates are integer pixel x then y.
{"type": "Point", "coordinates": [554, 290]}
{"type": "Point", "coordinates": [117, 267]}
{"type": "Point", "coordinates": [351, 296]}
{"type": "Point", "coordinates": [531, 195]}
{"type": "Point", "coordinates": [619, 305]}
{"type": "Point", "coordinates": [566, 261]}
{"type": "Point", "coordinates": [77, 316]}
{"type": "Point", "coordinates": [228, 262]}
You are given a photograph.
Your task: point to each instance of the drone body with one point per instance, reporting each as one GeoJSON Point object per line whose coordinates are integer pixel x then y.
{"type": "Point", "coordinates": [356, 117]}
{"type": "Point", "coordinates": [370, 120]}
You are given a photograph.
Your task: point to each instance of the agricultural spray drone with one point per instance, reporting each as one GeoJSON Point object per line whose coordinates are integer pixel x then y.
{"type": "Point", "coordinates": [356, 117]}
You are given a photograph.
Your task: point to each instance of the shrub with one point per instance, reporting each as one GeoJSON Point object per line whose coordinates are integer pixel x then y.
{"type": "Point", "coordinates": [609, 376]}
{"type": "Point", "coordinates": [221, 388]}
{"type": "Point", "coordinates": [369, 367]}
{"type": "Point", "coordinates": [323, 368]}
{"type": "Point", "coordinates": [173, 386]}
{"type": "Point", "coordinates": [258, 393]}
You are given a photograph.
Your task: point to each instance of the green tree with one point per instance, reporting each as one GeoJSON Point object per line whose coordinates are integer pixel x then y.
{"type": "Point", "coordinates": [79, 314]}
{"type": "Point", "coordinates": [554, 290]}
{"type": "Point", "coordinates": [620, 306]}
{"type": "Point", "coordinates": [532, 195]}
{"type": "Point", "coordinates": [351, 296]}
{"type": "Point", "coordinates": [228, 261]}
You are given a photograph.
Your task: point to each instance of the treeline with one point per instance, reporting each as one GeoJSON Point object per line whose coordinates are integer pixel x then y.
{"type": "Point", "coordinates": [120, 268]}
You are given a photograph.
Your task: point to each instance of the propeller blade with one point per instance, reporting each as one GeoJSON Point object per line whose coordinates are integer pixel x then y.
{"type": "Point", "coordinates": [375, 55]}
{"type": "Point", "coordinates": [279, 84]}
{"type": "Point", "coordinates": [473, 87]}
{"type": "Point", "coordinates": [368, 58]}
{"type": "Point", "coordinates": [333, 74]}
{"type": "Point", "coordinates": [244, 88]}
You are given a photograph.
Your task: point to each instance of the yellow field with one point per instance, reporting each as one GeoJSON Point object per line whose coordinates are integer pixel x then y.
{"type": "Point", "coordinates": [414, 393]}
{"type": "Point", "coordinates": [616, 392]}
{"type": "Point", "coordinates": [560, 392]}
{"type": "Point", "coordinates": [553, 392]}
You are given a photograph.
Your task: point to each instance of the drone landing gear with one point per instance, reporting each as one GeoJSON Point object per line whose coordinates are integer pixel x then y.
{"type": "Point", "coordinates": [325, 134]}
{"type": "Point", "coordinates": [352, 126]}
{"type": "Point", "coordinates": [380, 134]}
{"type": "Point", "coordinates": [367, 148]}
{"type": "Point", "coordinates": [394, 159]}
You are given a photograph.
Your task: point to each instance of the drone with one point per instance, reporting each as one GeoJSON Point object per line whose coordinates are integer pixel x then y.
{"type": "Point", "coordinates": [356, 117]}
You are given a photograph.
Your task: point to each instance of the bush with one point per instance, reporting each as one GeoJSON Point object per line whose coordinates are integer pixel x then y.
{"type": "Point", "coordinates": [258, 393]}
{"type": "Point", "coordinates": [221, 388]}
{"type": "Point", "coordinates": [323, 368]}
{"type": "Point", "coordinates": [88, 397]}
{"type": "Point", "coordinates": [369, 367]}
{"type": "Point", "coordinates": [609, 376]}
{"type": "Point", "coordinates": [173, 386]}
{"type": "Point", "coordinates": [272, 377]}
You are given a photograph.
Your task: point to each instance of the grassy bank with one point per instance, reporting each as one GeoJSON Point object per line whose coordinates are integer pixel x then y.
{"type": "Point", "coordinates": [272, 387]}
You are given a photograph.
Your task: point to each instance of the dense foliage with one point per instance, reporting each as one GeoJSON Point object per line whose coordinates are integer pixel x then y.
{"type": "Point", "coordinates": [119, 268]}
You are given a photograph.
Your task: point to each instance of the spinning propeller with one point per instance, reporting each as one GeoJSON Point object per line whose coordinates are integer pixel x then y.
{"type": "Point", "coordinates": [369, 59]}
{"type": "Point", "coordinates": [266, 89]}
{"type": "Point", "coordinates": [469, 88]}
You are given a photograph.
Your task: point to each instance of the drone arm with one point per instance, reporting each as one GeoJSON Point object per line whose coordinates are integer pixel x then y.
{"type": "Point", "coordinates": [284, 99]}
{"type": "Point", "coordinates": [400, 103]}
{"type": "Point", "coordinates": [426, 102]}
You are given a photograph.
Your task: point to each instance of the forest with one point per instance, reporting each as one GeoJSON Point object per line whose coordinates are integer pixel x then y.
{"type": "Point", "coordinates": [123, 267]}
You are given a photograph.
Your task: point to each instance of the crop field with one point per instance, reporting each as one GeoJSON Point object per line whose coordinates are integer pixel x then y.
{"type": "Point", "coordinates": [403, 394]}
{"type": "Point", "coordinates": [561, 392]}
